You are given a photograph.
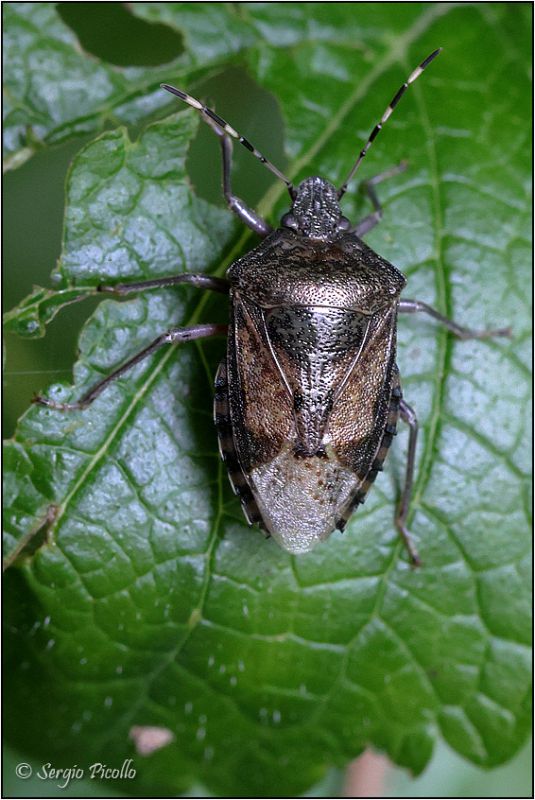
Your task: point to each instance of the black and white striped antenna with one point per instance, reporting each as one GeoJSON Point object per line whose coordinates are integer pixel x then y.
{"type": "Point", "coordinates": [391, 106]}
{"type": "Point", "coordinates": [206, 112]}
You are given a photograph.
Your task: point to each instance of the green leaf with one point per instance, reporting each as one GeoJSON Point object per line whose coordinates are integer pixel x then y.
{"type": "Point", "coordinates": [148, 600]}
{"type": "Point", "coordinates": [31, 316]}
{"type": "Point", "coordinates": [54, 91]}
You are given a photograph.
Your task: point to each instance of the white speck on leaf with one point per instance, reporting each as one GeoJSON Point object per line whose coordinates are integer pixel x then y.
{"type": "Point", "coordinates": [149, 738]}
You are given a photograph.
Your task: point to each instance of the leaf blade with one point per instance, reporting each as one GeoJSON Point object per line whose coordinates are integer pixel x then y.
{"type": "Point", "coordinates": [301, 661]}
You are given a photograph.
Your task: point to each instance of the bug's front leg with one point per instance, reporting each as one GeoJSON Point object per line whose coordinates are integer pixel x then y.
{"type": "Point", "coordinates": [408, 415]}
{"type": "Point", "coordinates": [413, 306]}
{"type": "Point", "coordinates": [172, 336]}
{"type": "Point", "coordinates": [236, 204]}
{"type": "Point", "coordinates": [367, 188]}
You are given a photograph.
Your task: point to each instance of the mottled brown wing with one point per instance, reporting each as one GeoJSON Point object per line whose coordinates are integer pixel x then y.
{"type": "Point", "coordinates": [359, 415]}
{"type": "Point", "coordinates": [260, 405]}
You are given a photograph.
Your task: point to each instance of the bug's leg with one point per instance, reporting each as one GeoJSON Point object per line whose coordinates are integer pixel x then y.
{"type": "Point", "coordinates": [367, 188]}
{"type": "Point", "coordinates": [407, 415]}
{"type": "Point", "coordinates": [172, 336]}
{"type": "Point", "coordinates": [236, 204]}
{"type": "Point", "coordinates": [190, 278]}
{"type": "Point", "coordinates": [413, 306]}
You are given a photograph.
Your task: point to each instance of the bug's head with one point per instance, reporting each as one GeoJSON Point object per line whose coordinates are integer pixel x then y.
{"type": "Point", "coordinates": [315, 211]}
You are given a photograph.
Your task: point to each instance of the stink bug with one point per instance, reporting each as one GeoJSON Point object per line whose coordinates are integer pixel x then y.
{"type": "Point", "coordinates": [308, 397]}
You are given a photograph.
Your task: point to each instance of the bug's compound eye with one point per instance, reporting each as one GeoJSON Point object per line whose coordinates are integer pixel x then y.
{"type": "Point", "coordinates": [343, 224]}
{"type": "Point", "coordinates": [289, 221]}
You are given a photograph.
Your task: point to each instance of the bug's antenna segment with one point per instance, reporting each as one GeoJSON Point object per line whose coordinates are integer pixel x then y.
{"type": "Point", "coordinates": [207, 114]}
{"type": "Point", "coordinates": [391, 106]}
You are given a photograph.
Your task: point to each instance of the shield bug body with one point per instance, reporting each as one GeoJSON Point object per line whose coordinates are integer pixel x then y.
{"type": "Point", "coordinates": [308, 397]}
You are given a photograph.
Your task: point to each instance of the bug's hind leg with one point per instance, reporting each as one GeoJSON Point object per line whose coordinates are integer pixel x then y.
{"type": "Point", "coordinates": [367, 188]}
{"type": "Point", "coordinates": [408, 415]}
{"type": "Point", "coordinates": [172, 336]}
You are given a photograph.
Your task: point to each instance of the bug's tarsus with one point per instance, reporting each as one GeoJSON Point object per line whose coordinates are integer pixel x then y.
{"type": "Point", "coordinates": [389, 109]}
{"type": "Point", "coordinates": [209, 115]}
{"type": "Point", "coordinates": [172, 336]}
